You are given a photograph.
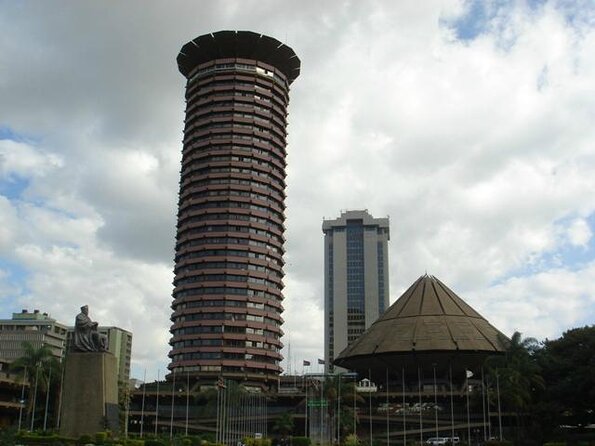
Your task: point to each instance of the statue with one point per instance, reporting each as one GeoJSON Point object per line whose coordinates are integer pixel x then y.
{"type": "Point", "coordinates": [86, 336]}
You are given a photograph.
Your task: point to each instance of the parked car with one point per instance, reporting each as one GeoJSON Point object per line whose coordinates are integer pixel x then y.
{"type": "Point", "coordinates": [436, 440]}
{"type": "Point", "coordinates": [443, 440]}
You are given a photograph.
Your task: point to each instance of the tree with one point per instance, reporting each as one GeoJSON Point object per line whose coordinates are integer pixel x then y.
{"type": "Point", "coordinates": [519, 376]}
{"type": "Point", "coordinates": [518, 372]}
{"type": "Point", "coordinates": [283, 424]}
{"type": "Point", "coordinates": [568, 365]}
{"type": "Point", "coordinates": [337, 390]}
{"type": "Point", "coordinates": [43, 371]}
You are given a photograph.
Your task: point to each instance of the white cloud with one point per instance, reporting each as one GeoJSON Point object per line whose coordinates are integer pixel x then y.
{"type": "Point", "coordinates": [22, 159]}
{"type": "Point", "coordinates": [541, 305]}
{"type": "Point", "coordinates": [8, 225]}
{"type": "Point", "coordinates": [579, 232]}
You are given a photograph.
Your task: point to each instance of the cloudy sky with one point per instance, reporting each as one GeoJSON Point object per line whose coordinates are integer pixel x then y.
{"type": "Point", "coordinates": [470, 124]}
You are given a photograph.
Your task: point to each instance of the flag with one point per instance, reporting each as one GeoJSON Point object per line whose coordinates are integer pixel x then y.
{"type": "Point", "coordinates": [306, 363]}
{"type": "Point", "coordinates": [468, 373]}
{"type": "Point", "coordinates": [321, 361]}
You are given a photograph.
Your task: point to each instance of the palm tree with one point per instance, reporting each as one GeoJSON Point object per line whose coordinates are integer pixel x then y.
{"type": "Point", "coordinates": [43, 370]}
{"type": "Point", "coordinates": [341, 393]}
{"type": "Point", "coordinates": [519, 375]}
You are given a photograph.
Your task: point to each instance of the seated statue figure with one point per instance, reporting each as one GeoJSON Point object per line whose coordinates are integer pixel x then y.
{"type": "Point", "coordinates": [86, 336]}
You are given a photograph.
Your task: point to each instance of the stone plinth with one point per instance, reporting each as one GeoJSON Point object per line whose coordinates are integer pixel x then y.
{"type": "Point", "coordinates": [90, 394]}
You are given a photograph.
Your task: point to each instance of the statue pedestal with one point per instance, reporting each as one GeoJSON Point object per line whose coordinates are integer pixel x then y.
{"type": "Point", "coordinates": [90, 394]}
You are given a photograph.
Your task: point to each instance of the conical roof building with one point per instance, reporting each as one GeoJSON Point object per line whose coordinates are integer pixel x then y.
{"type": "Point", "coordinates": [429, 325]}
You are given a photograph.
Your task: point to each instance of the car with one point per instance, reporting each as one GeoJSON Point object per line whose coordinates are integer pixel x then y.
{"type": "Point", "coordinates": [437, 440]}
{"type": "Point", "coordinates": [443, 440]}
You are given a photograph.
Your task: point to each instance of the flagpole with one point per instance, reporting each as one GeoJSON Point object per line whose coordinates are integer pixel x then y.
{"type": "Point", "coordinates": [354, 406]}
{"type": "Point", "coordinates": [142, 410]}
{"type": "Point", "coordinates": [499, 408]}
{"type": "Point", "coordinates": [387, 412]}
{"type": "Point", "coordinates": [225, 414]}
{"type": "Point", "coordinates": [306, 408]}
{"type": "Point", "coordinates": [421, 428]}
{"type": "Point", "coordinates": [321, 398]}
{"type": "Point", "coordinates": [126, 413]}
{"type": "Point", "coordinates": [58, 418]}
{"type": "Point", "coordinates": [47, 400]}
{"type": "Point", "coordinates": [225, 431]}
{"type": "Point", "coordinates": [339, 410]}
{"type": "Point", "coordinates": [187, 399]}
{"type": "Point", "coordinates": [243, 419]}
{"type": "Point", "coordinates": [488, 404]}
{"type": "Point", "coordinates": [34, 397]}
{"type": "Point", "coordinates": [370, 405]}
{"type": "Point", "coordinates": [157, 404]}
{"type": "Point", "coordinates": [435, 401]}
{"type": "Point", "coordinates": [483, 404]}
{"type": "Point", "coordinates": [452, 410]}
{"type": "Point", "coordinates": [173, 397]}
{"type": "Point", "coordinates": [228, 415]}
{"type": "Point", "coordinates": [217, 418]}
{"type": "Point", "coordinates": [468, 416]}
{"type": "Point", "coordinates": [22, 401]}
{"type": "Point", "coordinates": [404, 417]}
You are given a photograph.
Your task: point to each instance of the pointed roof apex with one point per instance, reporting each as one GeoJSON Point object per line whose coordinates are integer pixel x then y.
{"type": "Point", "coordinates": [428, 318]}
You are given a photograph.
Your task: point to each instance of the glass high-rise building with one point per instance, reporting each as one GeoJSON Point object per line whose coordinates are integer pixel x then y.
{"type": "Point", "coordinates": [356, 288]}
{"type": "Point", "coordinates": [227, 298]}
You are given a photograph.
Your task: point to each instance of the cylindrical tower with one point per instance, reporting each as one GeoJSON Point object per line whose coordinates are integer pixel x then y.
{"type": "Point", "coordinates": [227, 298]}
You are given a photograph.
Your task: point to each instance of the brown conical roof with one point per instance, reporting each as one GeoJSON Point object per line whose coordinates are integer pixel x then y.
{"type": "Point", "coordinates": [428, 320]}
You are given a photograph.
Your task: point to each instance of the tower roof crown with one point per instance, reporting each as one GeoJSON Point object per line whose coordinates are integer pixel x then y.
{"type": "Point", "coordinates": [239, 44]}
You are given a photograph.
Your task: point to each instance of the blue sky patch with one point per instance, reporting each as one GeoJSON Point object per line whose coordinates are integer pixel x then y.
{"type": "Point", "coordinates": [7, 133]}
{"type": "Point", "coordinates": [473, 22]}
{"type": "Point", "coordinates": [15, 280]}
{"type": "Point", "coordinates": [13, 187]}
{"type": "Point", "coordinates": [567, 256]}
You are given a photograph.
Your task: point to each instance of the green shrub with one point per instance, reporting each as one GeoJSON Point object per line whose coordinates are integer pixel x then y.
{"type": "Point", "coordinates": [85, 439]}
{"type": "Point", "coordinates": [301, 441]}
{"type": "Point", "coordinates": [100, 437]}
{"type": "Point", "coordinates": [195, 440]}
{"type": "Point", "coordinates": [131, 442]}
{"type": "Point", "coordinates": [36, 438]}
{"type": "Point", "coordinates": [249, 441]}
{"type": "Point", "coordinates": [351, 440]}
{"type": "Point", "coordinates": [555, 443]}
{"type": "Point", "coordinates": [498, 443]}
{"type": "Point", "coordinates": [154, 442]}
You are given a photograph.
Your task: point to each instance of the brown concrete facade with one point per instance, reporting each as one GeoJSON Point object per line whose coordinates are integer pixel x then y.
{"type": "Point", "coordinates": [90, 397]}
{"type": "Point", "coordinates": [227, 298]}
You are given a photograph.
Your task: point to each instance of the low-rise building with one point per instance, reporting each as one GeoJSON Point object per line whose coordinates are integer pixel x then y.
{"type": "Point", "coordinates": [13, 387]}
{"type": "Point", "coordinates": [37, 328]}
